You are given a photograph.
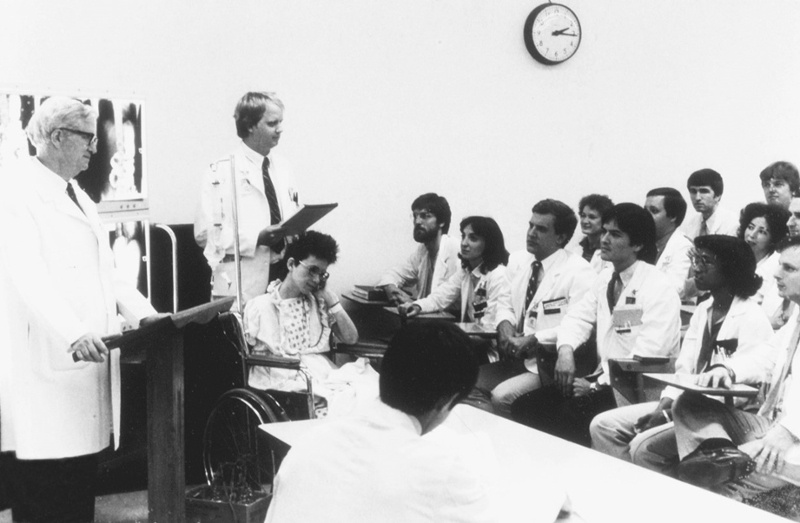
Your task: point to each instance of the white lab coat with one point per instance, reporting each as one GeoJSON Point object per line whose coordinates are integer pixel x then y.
{"type": "Point", "coordinates": [567, 277]}
{"type": "Point", "coordinates": [414, 270]}
{"type": "Point", "coordinates": [746, 322]}
{"type": "Point", "coordinates": [57, 278]}
{"type": "Point", "coordinates": [657, 335]}
{"type": "Point", "coordinates": [213, 226]}
{"type": "Point", "coordinates": [457, 289]}
{"type": "Point", "coordinates": [675, 262]}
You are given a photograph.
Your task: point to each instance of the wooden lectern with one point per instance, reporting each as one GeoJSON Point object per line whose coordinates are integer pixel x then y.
{"type": "Point", "coordinates": [162, 344]}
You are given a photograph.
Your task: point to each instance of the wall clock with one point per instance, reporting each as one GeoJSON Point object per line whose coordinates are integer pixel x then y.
{"type": "Point", "coordinates": [552, 33]}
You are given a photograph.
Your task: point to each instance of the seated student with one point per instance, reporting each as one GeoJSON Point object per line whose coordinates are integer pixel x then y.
{"type": "Point", "coordinates": [780, 181]}
{"type": "Point", "coordinates": [763, 227]}
{"type": "Point", "coordinates": [590, 211]}
{"type": "Point", "coordinates": [740, 453]}
{"type": "Point", "coordinates": [296, 316]}
{"type": "Point", "coordinates": [705, 190]}
{"type": "Point", "coordinates": [481, 286]}
{"type": "Point", "coordinates": [545, 282]}
{"type": "Point", "coordinates": [433, 261]}
{"type": "Point", "coordinates": [668, 209]}
{"type": "Point", "coordinates": [794, 220]}
{"type": "Point", "coordinates": [633, 308]}
{"type": "Point", "coordinates": [728, 335]}
{"type": "Point", "coordinates": [376, 466]}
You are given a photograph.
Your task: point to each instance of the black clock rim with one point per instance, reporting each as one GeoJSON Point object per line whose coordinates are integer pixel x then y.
{"type": "Point", "coordinates": [528, 37]}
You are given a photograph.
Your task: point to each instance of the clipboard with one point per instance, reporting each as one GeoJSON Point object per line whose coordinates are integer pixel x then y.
{"type": "Point", "coordinates": [305, 217]}
{"type": "Point", "coordinates": [686, 382]}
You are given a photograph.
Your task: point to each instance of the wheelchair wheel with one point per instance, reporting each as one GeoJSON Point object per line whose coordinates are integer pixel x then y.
{"type": "Point", "coordinates": [235, 451]}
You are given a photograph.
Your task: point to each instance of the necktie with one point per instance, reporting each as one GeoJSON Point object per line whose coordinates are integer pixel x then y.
{"type": "Point", "coordinates": [533, 285]}
{"type": "Point", "coordinates": [71, 194]}
{"type": "Point", "coordinates": [613, 291]}
{"type": "Point", "coordinates": [775, 396]}
{"type": "Point", "coordinates": [710, 334]}
{"type": "Point", "coordinates": [272, 200]}
{"type": "Point", "coordinates": [703, 228]}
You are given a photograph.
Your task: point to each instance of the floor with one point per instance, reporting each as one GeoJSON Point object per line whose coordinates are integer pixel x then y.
{"type": "Point", "coordinates": [129, 507]}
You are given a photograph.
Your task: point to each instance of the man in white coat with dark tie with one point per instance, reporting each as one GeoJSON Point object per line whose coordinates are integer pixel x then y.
{"type": "Point", "coordinates": [60, 396]}
{"type": "Point", "coordinates": [546, 281]}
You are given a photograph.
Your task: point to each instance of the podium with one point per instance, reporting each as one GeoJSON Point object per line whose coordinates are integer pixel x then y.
{"type": "Point", "coordinates": [162, 345]}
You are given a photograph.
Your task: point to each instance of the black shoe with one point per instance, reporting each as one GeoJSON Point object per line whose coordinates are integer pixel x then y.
{"type": "Point", "coordinates": [706, 468]}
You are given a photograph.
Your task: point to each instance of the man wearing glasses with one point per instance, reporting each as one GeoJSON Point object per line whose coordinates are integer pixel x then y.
{"type": "Point", "coordinates": [433, 261]}
{"type": "Point", "coordinates": [265, 196]}
{"type": "Point", "coordinates": [60, 299]}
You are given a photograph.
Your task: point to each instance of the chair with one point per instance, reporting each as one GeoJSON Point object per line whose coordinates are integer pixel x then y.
{"type": "Point", "coordinates": [630, 385]}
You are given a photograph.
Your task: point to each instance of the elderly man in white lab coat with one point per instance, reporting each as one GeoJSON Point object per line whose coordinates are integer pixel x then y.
{"type": "Point", "coordinates": [60, 391]}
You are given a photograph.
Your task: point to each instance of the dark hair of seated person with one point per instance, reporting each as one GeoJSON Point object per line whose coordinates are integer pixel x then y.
{"type": "Point", "coordinates": [736, 262]}
{"type": "Point", "coordinates": [313, 243]}
{"type": "Point", "coordinates": [638, 224]}
{"type": "Point", "coordinates": [494, 250]}
{"type": "Point", "coordinates": [436, 205]}
{"type": "Point", "coordinates": [775, 216]}
{"type": "Point", "coordinates": [427, 362]}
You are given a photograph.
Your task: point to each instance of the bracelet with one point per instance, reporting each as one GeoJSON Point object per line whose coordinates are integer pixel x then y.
{"type": "Point", "coordinates": [666, 415]}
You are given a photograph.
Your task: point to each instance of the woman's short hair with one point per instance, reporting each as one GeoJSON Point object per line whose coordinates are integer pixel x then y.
{"type": "Point", "coordinates": [599, 202]}
{"type": "Point", "coordinates": [638, 224]}
{"type": "Point", "coordinates": [54, 113]}
{"type": "Point", "coordinates": [313, 243]}
{"type": "Point", "coordinates": [736, 262]}
{"type": "Point", "coordinates": [250, 110]}
{"type": "Point", "coordinates": [775, 216]}
{"type": "Point", "coordinates": [436, 205]}
{"type": "Point", "coordinates": [425, 364]}
{"type": "Point", "coordinates": [494, 251]}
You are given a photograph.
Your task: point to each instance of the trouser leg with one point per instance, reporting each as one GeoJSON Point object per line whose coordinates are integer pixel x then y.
{"type": "Point", "coordinates": [699, 418]}
{"type": "Point", "coordinates": [655, 449]}
{"type": "Point", "coordinates": [50, 490]}
{"type": "Point", "coordinates": [504, 394]}
{"type": "Point", "coordinates": [612, 431]}
{"type": "Point", "coordinates": [489, 376]}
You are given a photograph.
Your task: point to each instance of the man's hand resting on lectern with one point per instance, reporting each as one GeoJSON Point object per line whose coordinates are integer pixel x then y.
{"type": "Point", "coordinates": [89, 347]}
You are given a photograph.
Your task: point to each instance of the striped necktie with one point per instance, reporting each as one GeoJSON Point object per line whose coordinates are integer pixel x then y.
{"type": "Point", "coordinates": [272, 200]}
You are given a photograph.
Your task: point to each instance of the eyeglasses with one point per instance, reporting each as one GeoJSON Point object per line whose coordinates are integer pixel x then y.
{"type": "Point", "coordinates": [90, 137]}
{"type": "Point", "coordinates": [701, 262]}
{"type": "Point", "coordinates": [313, 270]}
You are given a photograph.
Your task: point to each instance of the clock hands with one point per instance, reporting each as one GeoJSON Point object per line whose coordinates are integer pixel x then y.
{"type": "Point", "coordinates": [563, 32]}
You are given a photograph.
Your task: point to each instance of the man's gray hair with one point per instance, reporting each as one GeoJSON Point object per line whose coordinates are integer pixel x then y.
{"type": "Point", "coordinates": [55, 112]}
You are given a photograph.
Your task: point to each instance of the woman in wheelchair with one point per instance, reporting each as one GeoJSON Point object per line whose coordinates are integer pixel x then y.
{"type": "Point", "coordinates": [296, 316]}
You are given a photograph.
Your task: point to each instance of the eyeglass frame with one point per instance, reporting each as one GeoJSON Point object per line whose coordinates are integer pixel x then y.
{"type": "Point", "coordinates": [91, 137]}
{"type": "Point", "coordinates": [313, 270]}
{"type": "Point", "coordinates": [699, 261]}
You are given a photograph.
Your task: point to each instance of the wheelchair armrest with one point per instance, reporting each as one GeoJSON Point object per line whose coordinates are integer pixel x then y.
{"type": "Point", "coordinates": [363, 348]}
{"type": "Point", "coordinates": [270, 360]}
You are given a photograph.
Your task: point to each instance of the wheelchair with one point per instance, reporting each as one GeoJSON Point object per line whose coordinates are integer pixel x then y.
{"type": "Point", "coordinates": [234, 449]}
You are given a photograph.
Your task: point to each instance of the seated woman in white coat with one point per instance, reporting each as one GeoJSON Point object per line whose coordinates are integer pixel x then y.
{"type": "Point", "coordinates": [481, 284]}
{"type": "Point", "coordinates": [729, 340]}
{"type": "Point", "coordinates": [296, 318]}
{"type": "Point", "coordinates": [762, 227]}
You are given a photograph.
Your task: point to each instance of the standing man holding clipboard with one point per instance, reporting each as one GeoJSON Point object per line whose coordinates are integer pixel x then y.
{"type": "Point", "coordinates": [265, 194]}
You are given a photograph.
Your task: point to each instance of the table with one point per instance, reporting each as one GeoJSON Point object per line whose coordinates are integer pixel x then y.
{"type": "Point", "coordinates": [536, 469]}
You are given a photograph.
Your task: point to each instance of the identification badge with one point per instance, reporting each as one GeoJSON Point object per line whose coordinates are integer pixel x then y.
{"type": "Point", "coordinates": [554, 306]}
{"type": "Point", "coordinates": [625, 318]}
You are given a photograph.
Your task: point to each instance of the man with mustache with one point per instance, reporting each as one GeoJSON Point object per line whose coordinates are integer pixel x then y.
{"type": "Point", "coordinates": [433, 261]}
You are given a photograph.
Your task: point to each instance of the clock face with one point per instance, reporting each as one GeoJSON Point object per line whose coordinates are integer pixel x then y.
{"type": "Point", "coordinates": [552, 33]}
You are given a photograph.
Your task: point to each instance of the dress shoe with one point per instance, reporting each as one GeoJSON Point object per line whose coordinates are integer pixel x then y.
{"type": "Point", "coordinates": [706, 468]}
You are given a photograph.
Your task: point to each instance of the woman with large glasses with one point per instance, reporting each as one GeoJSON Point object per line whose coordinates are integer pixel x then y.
{"type": "Point", "coordinates": [762, 227]}
{"type": "Point", "coordinates": [481, 284]}
{"type": "Point", "coordinates": [296, 316]}
{"type": "Point", "coordinates": [729, 340]}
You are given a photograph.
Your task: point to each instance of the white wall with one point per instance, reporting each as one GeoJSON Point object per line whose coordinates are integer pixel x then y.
{"type": "Point", "coordinates": [386, 100]}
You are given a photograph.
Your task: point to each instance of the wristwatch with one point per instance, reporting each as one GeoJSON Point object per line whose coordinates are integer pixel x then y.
{"type": "Point", "coordinates": [593, 387]}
